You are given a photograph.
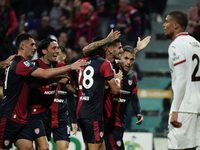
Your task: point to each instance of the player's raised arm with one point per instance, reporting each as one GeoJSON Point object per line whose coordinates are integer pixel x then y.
{"type": "Point", "coordinates": [142, 44]}
{"type": "Point", "coordinates": [111, 37]}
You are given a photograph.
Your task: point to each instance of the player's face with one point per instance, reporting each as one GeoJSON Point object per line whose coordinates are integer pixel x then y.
{"type": "Point", "coordinates": [117, 51]}
{"type": "Point", "coordinates": [127, 61]}
{"type": "Point", "coordinates": [29, 48]}
{"type": "Point", "coordinates": [52, 51]}
{"type": "Point", "coordinates": [169, 26]}
{"type": "Point", "coordinates": [61, 57]}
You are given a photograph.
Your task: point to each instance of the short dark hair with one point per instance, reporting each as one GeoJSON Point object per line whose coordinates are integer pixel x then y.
{"type": "Point", "coordinates": [114, 43]}
{"type": "Point", "coordinates": [129, 49]}
{"type": "Point", "coordinates": [180, 17]}
{"type": "Point", "coordinates": [100, 50]}
{"type": "Point", "coordinates": [63, 50]}
{"type": "Point", "coordinates": [22, 37]}
{"type": "Point", "coordinates": [43, 45]}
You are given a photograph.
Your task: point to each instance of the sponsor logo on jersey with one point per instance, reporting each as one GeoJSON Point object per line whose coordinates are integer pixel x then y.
{"type": "Point", "coordinates": [119, 143]}
{"type": "Point", "coordinates": [49, 92]}
{"type": "Point", "coordinates": [62, 92]}
{"type": "Point", "coordinates": [101, 134]}
{"type": "Point", "coordinates": [6, 142]}
{"type": "Point", "coordinates": [194, 44]}
{"type": "Point", "coordinates": [119, 100]}
{"type": "Point", "coordinates": [27, 63]}
{"type": "Point", "coordinates": [37, 131]}
{"type": "Point", "coordinates": [58, 100]}
{"type": "Point", "coordinates": [130, 82]}
{"type": "Point", "coordinates": [125, 92]}
{"type": "Point", "coordinates": [85, 98]}
{"type": "Point", "coordinates": [175, 57]}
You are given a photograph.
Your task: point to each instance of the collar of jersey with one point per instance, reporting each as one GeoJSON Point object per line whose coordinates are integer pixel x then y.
{"type": "Point", "coordinates": [182, 33]}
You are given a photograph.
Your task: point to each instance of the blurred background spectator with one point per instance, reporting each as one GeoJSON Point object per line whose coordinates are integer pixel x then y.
{"type": "Point", "coordinates": [66, 27]}
{"type": "Point", "coordinates": [144, 10]}
{"type": "Point", "coordinates": [86, 22]}
{"type": "Point", "coordinates": [128, 22]}
{"type": "Point", "coordinates": [37, 8]}
{"type": "Point", "coordinates": [194, 21]}
{"type": "Point", "coordinates": [8, 23]}
{"type": "Point", "coordinates": [55, 12]}
{"type": "Point", "coordinates": [102, 8]}
{"type": "Point", "coordinates": [45, 30]}
{"type": "Point", "coordinates": [159, 7]}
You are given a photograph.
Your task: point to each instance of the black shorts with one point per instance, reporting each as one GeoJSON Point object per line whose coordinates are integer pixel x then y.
{"type": "Point", "coordinates": [26, 133]}
{"type": "Point", "coordinates": [61, 133]}
{"type": "Point", "coordinates": [114, 138]}
{"type": "Point", "coordinates": [40, 127]}
{"type": "Point", "coordinates": [9, 130]}
{"type": "Point", "coordinates": [92, 130]}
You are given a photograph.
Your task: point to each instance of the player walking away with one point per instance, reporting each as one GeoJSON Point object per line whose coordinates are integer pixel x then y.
{"type": "Point", "coordinates": [184, 55]}
{"type": "Point", "coordinates": [13, 114]}
{"type": "Point", "coordinates": [115, 105]}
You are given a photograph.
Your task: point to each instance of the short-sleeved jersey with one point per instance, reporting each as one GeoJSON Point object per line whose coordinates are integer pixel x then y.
{"type": "Point", "coordinates": [91, 81]}
{"type": "Point", "coordinates": [115, 105]}
{"type": "Point", "coordinates": [16, 89]}
{"type": "Point", "coordinates": [185, 49]}
{"type": "Point", "coordinates": [41, 98]}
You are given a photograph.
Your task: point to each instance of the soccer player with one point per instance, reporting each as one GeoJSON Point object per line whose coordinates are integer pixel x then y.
{"type": "Point", "coordinates": [184, 55]}
{"type": "Point", "coordinates": [91, 80]}
{"type": "Point", "coordinates": [13, 114]}
{"type": "Point", "coordinates": [42, 97]}
{"type": "Point", "coordinates": [115, 105]}
{"type": "Point", "coordinates": [61, 110]}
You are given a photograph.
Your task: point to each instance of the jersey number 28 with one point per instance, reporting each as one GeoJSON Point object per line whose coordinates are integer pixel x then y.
{"type": "Point", "coordinates": [88, 74]}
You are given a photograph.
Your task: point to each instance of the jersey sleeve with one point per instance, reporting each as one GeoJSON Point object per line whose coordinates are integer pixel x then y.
{"type": "Point", "coordinates": [106, 70]}
{"type": "Point", "coordinates": [176, 54]}
{"type": "Point", "coordinates": [25, 68]}
{"type": "Point", "coordinates": [178, 86]}
{"type": "Point", "coordinates": [179, 80]}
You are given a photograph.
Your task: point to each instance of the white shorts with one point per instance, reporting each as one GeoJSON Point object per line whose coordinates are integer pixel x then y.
{"type": "Point", "coordinates": [188, 135]}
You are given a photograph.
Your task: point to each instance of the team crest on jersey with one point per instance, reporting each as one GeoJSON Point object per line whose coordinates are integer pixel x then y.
{"type": "Point", "coordinates": [6, 142]}
{"type": "Point", "coordinates": [27, 63]}
{"type": "Point", "coordinates": [101, 134]}
{"type": "Point", "coordinates": [130, 82]}
{"type": "Point", "coordinates": [119, 143]}
{"type": "Point", "coordinates": [37, 130]}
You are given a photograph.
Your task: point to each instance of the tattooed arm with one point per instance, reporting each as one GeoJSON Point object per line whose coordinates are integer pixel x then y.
{"type": "Point", "coordinates": [111, 37]}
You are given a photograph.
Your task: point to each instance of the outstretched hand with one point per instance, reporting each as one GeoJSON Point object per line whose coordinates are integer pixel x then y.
{"type": "Point", "coordinates": [142, 44]}
{"type": "Point", "coordinates": [78, 64]}
{"type": "Point", "coordinates": [112, 36]}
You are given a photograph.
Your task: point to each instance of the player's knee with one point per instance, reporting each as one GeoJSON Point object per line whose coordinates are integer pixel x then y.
{"type": "Point", "coordinates": [44, 147]}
